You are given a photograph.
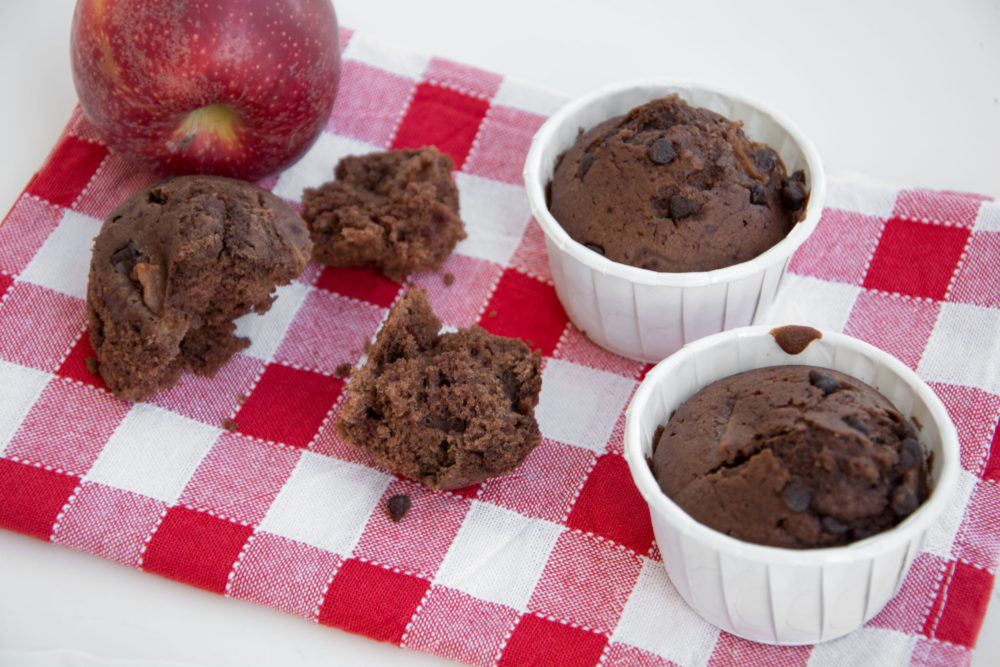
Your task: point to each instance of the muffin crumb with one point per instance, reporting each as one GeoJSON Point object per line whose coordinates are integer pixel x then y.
{"type": "Point", "coordinates": [398, 506]}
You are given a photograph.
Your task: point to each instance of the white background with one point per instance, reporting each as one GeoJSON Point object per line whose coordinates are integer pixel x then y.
{"type": "Point", "coordinates": [904, 93]}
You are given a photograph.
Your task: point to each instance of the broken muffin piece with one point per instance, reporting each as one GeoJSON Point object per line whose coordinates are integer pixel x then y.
{"type": "Point", "coordinates": [395, 211]}
{"type": "Point", "coordinates": [174, 265]}
{"type": "Point", "coordinates": [448, 410]}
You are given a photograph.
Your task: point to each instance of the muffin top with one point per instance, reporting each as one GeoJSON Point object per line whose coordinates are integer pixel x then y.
{"type": "Point", "coordinates": [791, 456]}
{"type": "Point", "coordinates": [674, 188]}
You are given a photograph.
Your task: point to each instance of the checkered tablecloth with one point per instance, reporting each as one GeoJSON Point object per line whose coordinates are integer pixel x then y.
{"type": "Point", "coordinates": [552, 564]}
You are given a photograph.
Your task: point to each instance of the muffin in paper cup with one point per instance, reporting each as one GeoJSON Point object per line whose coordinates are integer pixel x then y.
{"type": "Point", "coordinates": [777, 595]}
{"type": "Point", "coordinates": [644, 314]}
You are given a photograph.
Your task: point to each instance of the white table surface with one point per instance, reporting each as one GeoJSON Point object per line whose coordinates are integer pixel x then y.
{"type": "Point", "coordinates": [909, 99]}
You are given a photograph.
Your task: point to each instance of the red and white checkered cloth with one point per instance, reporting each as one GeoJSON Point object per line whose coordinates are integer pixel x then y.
{"type": "Point", "coordinates": [552, 564]}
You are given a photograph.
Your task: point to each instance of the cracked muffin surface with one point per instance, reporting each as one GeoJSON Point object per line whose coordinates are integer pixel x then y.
{"type": "Point", "coordinates": [675, 188]}
{"type": "Point", "coordinates": [446, 409]}
{"type": "Point", "coordinates": [791, 456]}
{"type": "Point", "coordinates": [174, 265]}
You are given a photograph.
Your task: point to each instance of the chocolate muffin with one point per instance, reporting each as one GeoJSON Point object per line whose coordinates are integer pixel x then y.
{"type": "Point", "coordinates": [674, 188]}
{"type": "Point", "coordinates": [448, 410]}
{"type": "Point", "coordinates": [792, 456]}
{"type": "Point", "coordinates": [174, 265]}
{"type": "Point", "coordinates": [395, 211]}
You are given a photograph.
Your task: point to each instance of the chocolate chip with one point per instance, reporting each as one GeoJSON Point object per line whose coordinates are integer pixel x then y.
{"type": "Point", "coordinates": [595, 247]}
{"type": "Point", "coordinates": [793, 191]}
{"type": "Point", "coordinates": [910, 453]}
{"type": "Point", "coordinates": [766, 159]}
{"type": "Point", "coordinates": [796, 496]}
{"type": "Point", "coordinates": [661, 152]}
{"type": "Point", "coordinates": [904, 501]}
{"type": "Point", "coordinates": [681, 207]}
{"type": "Point", "coordinates": [585, 163]}
{"type": "Point", "coordinates": [862, 532]}
{"type": "Point", "coordinates": [826, 383]}
{"type": "Point", "coordinates": [857, 423]}
{"type": "Point", "coordinates": [758, 195]}
{"type": "Point", "coordinates": [398, 506]}
{"type": "Point", "coordinates": [834, 526]}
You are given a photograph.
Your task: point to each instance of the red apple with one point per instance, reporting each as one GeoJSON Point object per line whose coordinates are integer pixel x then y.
{"type": "Point", "coordinates": [239, 88]}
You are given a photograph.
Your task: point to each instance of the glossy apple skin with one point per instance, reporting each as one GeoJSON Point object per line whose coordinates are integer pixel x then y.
{"type": "Point", "coordinates": [264, 74]}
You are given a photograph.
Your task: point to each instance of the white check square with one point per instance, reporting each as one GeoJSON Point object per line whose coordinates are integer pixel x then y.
{"type": "Point", "coordinates": [495, 216]}
{"type": "Point", "coordinates": [153, 452]}
{"type": "Point", "coordinates": [579, 405]}
{"type": "Point", "coordinates": [266, 330]}
{"type": "Point", "coordinates": [655, 616]}
{"type": "Point", "coordinates": [812, 302]}
{"type": "Point", "coordinates": [63, 262]}
{"type": "Point", "coordinates": [326, 502]}
{"type": "Point", "coordinates": [316, 167]}
{"type": "Point", "coordinates": [385, 56]}
{"type": "Point", "coordinates": [964, 348]}
{"type": "Point", "coordinates": [20, 387]}
{"type": "Point", "coordinates": [498, 555]}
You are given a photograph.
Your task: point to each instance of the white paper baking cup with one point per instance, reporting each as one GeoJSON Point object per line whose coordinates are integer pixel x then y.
{"type": "Point", "coordinates": [643, 314]}
{"type": "Point", "coordinates": [770, 594]}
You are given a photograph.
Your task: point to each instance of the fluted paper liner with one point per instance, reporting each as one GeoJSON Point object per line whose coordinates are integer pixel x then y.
{"type": "Point", "coordinates": [769, 594]}
{"type": "Point", "coordinates": [643, 314]}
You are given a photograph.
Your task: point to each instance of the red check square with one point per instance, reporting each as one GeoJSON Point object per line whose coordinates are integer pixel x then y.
{"type": "Point", "coordinates": [328, 331]}
{"type": "Point", "coordinates": [938, 206]}
{"type": "Point", "coordinates": [29, 309]}
{"type": "Point", "coordinates": [369, 103]}
{"type": "Point", "coordinates": [962, 602]}
{"type": "Point", "coordinates": [606, 506]}
{"type": "Point", "coordinates": [391, 543]}
{"type": "Point", "coordinates": [359, 283]}
{"type": "Point", "coordinates": [67, 427]}
{"type": "Point", "coordinates": [976, 281]}
{"type": "Point", "coordinates": [459, 627]}
{"type": "Point", "coordinates": [916, 259]}
{"type": "Point", "coordinates": [5, 284]}
{"type": "Point", "coordinates": [372, 601]}
{"type": "Point", "coordinates": [31, 498]}
{"type": "Point", "coordinates": [503, 144]}
{"type": "Point", "coordinates": [545, 484]}
{"type": "Point", "coordinates": [460, 76]}
{"type": "Point", "coordinates": [195, 548]}
{"type": "Point", "coordinates": [288, 405]}
{"type": "Point", "coordinates": [839, 248]}
{"type": "Point", "coordinates": [113, 184]}
{"type": "Point", "coordinates": [24, 230]}
{"type": "Point", "coordinates": [282, 573]}
{"type": "Point", "coordinates": [239, 478]}
{"type": "Point", "coordinates": [441, 117]}
{"type": "Point", "coordinates": [74, 366]}
{"type": "Point", "coordinates": [899, 326]}
{"type": "Point", "coordinates": [531, 256]}
{"type": "Point", "coordinates": [974, 413]}
{"type": "Point", "coordinates": [538, 641]}
{"type": "Point", "coordinates": [526, 308]}
{"type": "Point", "coordinates": [109, 522]}
{"type": "Point", "coordinates": [992, 470]}
{"type": "Point", "coordinates": [586, 580]}
{"type": "Point", "coordinates": [67, 171]}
